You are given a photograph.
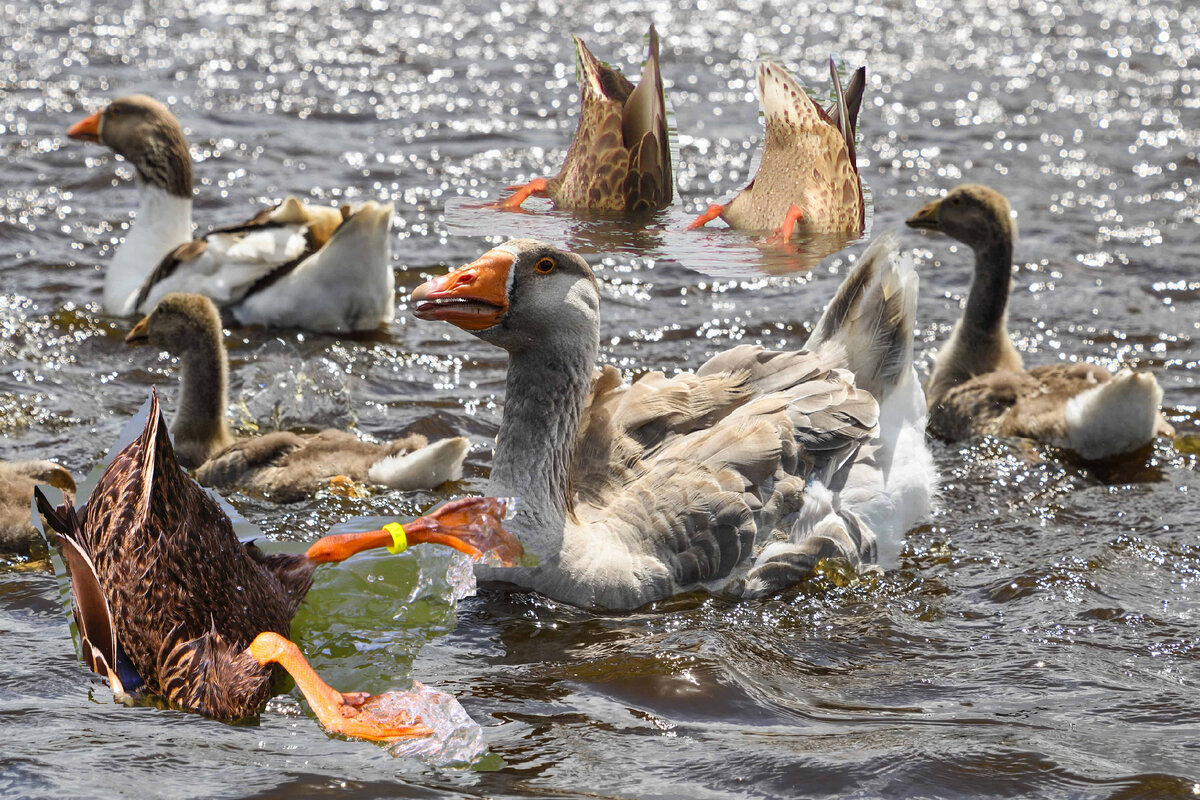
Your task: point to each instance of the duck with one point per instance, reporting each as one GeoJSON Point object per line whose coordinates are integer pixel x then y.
{"type": "Point", "coordinates": [619, 161]}
{"type": "Point", "coordinates": [18, 536]}
{"type": "Point", "coordinates": [979, 384]}
{"type": "Point", "coordinates": [169, 603]}
{"type": "Point", "coordinates": [737, 478]}
{"type": "Point", "coordinates": [294, 265]}
{"type": "Point", "coordinates": [282, 466]}
{"type": "Point", "coordinates": [807, 180]}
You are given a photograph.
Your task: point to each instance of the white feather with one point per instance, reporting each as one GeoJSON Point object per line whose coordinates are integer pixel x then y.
{"type": "Point", "coordinates": [426, 468]}
{"type": "Point", "coordinates": [1114, 417]}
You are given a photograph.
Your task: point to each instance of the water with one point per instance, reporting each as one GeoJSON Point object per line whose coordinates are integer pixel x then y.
{"type": "Point", "coordinates": [1040, 636]}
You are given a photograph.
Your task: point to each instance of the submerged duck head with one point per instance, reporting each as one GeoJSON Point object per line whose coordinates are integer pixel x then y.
{"type": "Point", "coordinates": [146, 133]}
{"type": "Point", "coordinates": [973, 214]}
{"type": "Point", "coordinates": [519, 294]}
{"type": "Point", "coordinates": [179, 324]}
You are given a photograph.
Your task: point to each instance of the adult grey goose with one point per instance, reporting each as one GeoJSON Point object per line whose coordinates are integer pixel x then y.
{"type": "Point", "coordinates": [738, 477]}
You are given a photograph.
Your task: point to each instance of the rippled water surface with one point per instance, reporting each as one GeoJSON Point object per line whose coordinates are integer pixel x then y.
{"type": "Point", "coordinates": [1041, 637]}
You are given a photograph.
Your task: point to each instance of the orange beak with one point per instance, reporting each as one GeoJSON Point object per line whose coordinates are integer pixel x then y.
{"type": "Point", "coordinates": [87, 129]}
{"type": "Point", "coordinates": [474, 297]}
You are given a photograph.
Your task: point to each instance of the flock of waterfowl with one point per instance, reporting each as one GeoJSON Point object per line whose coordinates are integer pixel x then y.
{"type": "Point", "coordinates": [737, 477]}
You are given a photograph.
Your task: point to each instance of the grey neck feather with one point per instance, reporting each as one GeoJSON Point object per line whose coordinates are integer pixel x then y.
{"type": "Point", "coordinates": [545, 395]}
{"type": "Point", "coordinates": [200, 428]}
{"type": "Point", "coordinates": [987, 303]}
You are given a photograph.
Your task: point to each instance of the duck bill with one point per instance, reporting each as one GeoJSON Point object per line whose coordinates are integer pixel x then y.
{"type": "Point", "coordinates": [474, 297]}
{"type": "Point", "coordinates": [140, 334]}
{"type": "Point", "coordinates": [87, 129]}
{"type": "Point", "coordinates": [926, 218]}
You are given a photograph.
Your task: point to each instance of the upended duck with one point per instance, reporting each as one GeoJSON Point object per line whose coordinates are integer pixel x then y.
{"type": "Point", "coordinates": [619, 161]}
{"type": "Point", "coordinates": [17, 481]}
{"type": "Point", "coordinates": [295, 265]}
{"type": "Point", "coordinates": [282, 466]}
{"type": "Point", "coordinates": [168, 601]}
{"type": "Point", "coordinates": [807, 179]}
{"type": "Point", "coordinates": [979, 383]}
{"type": "Point", "coordinates": [738, 477]}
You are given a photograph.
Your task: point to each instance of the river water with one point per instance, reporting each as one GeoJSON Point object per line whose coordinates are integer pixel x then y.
{"type": "Point", "coordinates": [1041, 636]}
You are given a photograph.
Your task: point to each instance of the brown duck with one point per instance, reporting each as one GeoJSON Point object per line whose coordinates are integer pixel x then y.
{"type": "Point", "coordinates": [979, 384]}
{"type": "Point", "coordinates": [620, 159]}
{"type": "Point", "coordinates": [808, 178]}
{"type": "Point", "coordinates": [168, 599]}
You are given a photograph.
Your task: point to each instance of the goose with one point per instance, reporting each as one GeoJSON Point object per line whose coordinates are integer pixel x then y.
{"type": "Point", "coordinates": [294, 265]}
{"type": "Point", "coordinates": [168, 601]}
{"type": "Point", "coordinates": [282, 466]}
{"type": "Point", "coordinates": [979, 384]}
{"type": "Point", "coordinates": [738, 477]}
{"type": "Point", "coordinates": [807, 179]}
{"type": "Point", "coordinates": [17, 482]}
{"type": "Point", "coordinates": [619, 161]}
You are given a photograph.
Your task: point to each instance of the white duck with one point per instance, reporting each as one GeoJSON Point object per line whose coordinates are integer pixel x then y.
{"type": "Point", "coordinates": [738, 477]}
{"type": "Point", "coordinates": [294, 265]}
{"type": "Point", "coordinates": [283, 466]}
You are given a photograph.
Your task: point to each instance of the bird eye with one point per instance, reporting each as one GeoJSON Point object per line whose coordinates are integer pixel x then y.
{"type": "Point", "coordinates": [544, 266]}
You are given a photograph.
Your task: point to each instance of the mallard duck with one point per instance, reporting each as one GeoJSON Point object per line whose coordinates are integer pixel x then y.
{"type": "Point", "coordinates": [807, 179]}
{"type": "Point", "coordinates": [739, 477]}
{"type": "Point", "coordinates": [167, 599]}
{"type": "Point", "coordinates": [620, 159]}
{"type": "Point", "coordinates": [17, 482]}
{"type": "Point", "coordinates": [294, 265]}
{"type": "Point", "coordinates": [979, 384]}
{"type": "Point", "coordinates": [282, 466]}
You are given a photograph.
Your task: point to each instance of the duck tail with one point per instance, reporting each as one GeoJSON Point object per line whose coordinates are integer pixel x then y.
{"type": "Point", "coordinates": [1119, 416]}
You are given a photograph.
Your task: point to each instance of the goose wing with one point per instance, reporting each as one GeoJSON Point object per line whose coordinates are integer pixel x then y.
{"type": "Point", "coordinates": [700, 464]}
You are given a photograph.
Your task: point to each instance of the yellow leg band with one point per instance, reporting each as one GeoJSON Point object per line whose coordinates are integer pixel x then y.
{"type": "Point", "coordinates": [399, 540]}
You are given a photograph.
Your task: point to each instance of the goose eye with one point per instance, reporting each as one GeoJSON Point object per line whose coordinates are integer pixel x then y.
{"type": "Point", "coordinates": [544, 266]}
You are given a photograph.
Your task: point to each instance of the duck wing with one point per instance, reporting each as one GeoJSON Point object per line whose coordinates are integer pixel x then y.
{"type": "Point", "coordinates": [93, 617]}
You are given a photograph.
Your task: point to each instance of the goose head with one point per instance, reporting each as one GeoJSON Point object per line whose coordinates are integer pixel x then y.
{"type": "Point", "coordinates": [973, 214]}
{"type": "Point", "coordinates": [522, 295]}
{"type": "Point", "coordinates": [180, 324]}
{"type": "Point", "coordinates": [146, 133]}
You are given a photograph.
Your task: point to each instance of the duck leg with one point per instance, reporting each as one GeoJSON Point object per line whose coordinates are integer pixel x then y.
{"type": "Point", "coordinates": [784, 232]}
{"type": "Point", "coordinates": [715, 210]}
{"type": "Point", "coordinates": [470, 525]}
{"type": "Point", "coordinates": [355, 714]}
{"type": "Point", "coordinates": [521, 193]}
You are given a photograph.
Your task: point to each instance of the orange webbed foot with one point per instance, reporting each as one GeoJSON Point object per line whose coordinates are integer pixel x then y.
{"type": "Point", "coordinates": [783, 233]}
{"type": "Point", "coordinates": [521, 192]}
{"type": "Point", "coordinates": [471, 525]}
{"type": "Point", "coordinates": [712, 212]}
{"type": "Point", "coordinates": [356, 714]}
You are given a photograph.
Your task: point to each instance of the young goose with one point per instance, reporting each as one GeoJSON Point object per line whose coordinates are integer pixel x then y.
{"type": "Point", "coordinates": [168, 600]}
{"type": "Point", "coordinates": [291, 266]}
{"type": "Point", "coordinates": [284, 466]}
{"type": "Point", "coordinates": [620, 159]}
{"type": "Point", "coordinates": [738, 477]}
{"type": "Point", "coordinates": [17, 482]}
{"type": "Point", "coordinates": [807, 179]}
{"type": "Point", "coordinates": [979, 384]}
